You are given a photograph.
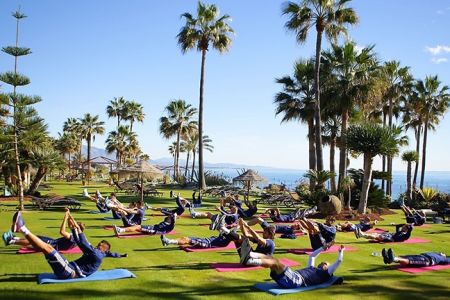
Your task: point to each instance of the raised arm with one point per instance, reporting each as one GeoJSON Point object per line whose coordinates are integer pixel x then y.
{"type": "Point", "coordinates": [250, 233]}
{"type": "Point", "coordinates": [62, 229]}
{"type": "Point", "coordinates": [312, 257]}
{"type": "Point", "coordinates": [333, 267]}
{"type": "Point", "coordinates": [79, 237]}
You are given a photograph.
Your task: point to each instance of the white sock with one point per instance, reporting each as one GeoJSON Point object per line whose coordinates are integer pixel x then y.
{"type": "Point", "coordinates": [172, 242]}
{"type": "Point", "coordinates": [254, 262]}
{"type": "Point", "coordinates": [24, 230]}
{"type": "Point", "coordinates": [13, 241]}
{"type": "Point", "coordinates": [224, 229]}
{"type": "Point", "coordinates": [395, 259]}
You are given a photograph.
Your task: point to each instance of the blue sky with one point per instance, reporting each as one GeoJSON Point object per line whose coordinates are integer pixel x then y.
{"type": "Point", "coordinates": [87, 52]}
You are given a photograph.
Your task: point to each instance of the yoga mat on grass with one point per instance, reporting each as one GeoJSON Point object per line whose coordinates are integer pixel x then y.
{"type": "Point", "coordinates": [332, 249]}
{"type": "Point", "coordinates": [140, 235]}
{"type": "Point", "coordinates": [414, 270]}
{"type": "Point", "coordinates": [26, 250]}
{"type": "Point", "coordinates": [112, 219]}
{"type": "Point", "coordinates": [274, 289]}
{"type": "Point", "coordinates": [297, 233]}
{"type": "Point", "coordinates": [99, 275]}
{"type": "Point", "coordinates": [409, 241]}
{"type": "Point", "coordinates": [237, 267]}
{"type": "Point", "coordinates": [376, 230]}
{"type": "Point", "coordinates": [230, 246]}
{"type": "Point", "coordinates": [96, 212]}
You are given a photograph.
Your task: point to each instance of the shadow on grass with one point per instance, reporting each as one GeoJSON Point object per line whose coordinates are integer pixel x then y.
{"type": "Point", "coordinates": [18, 278]}
{"type": "Point", "coordinates": [197, 266]}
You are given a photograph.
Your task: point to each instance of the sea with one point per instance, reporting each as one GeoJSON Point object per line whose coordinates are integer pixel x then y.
{"type": "Point", "coordinates": [439, 180]}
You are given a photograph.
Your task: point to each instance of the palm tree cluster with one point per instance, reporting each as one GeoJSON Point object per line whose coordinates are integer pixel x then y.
{"type": "Point", "coordinates": [345, 86]}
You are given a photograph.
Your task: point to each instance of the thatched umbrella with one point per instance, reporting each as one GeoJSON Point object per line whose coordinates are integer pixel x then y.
{"type": "Point", "coordinates": [142, 169]}
{"type": "Point", "coordinates": [248, 178]}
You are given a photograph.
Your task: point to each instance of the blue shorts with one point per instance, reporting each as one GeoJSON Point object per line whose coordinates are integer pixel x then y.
{"type": "Point", "coordinates": [200, 242]}
{"type": "Point", "coordinates": [59, 265]}
{"type": "Point", "coordinates": [289, 279]}
{"type": "Point", "coordinates": [386, 237]}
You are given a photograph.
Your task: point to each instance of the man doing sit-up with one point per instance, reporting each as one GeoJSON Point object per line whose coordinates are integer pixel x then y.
{"type": "Point", "coordinates": [195, 242]}
{"type": "Point", "coordinates": [402, 233]}
{"type": "Point", "coordinates": [320, 235]}
{"type": "Point", "coordinates": [419, 260]}
{"type": "Point", "coordinates": [165, 226]}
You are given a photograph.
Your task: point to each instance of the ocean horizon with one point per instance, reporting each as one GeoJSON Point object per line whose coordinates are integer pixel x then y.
{"type": "Point", "coordinates": [439, 180]}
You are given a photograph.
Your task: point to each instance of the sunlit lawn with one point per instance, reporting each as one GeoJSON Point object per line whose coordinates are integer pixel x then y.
{"type": "Point", "coordinates": [172, 273]}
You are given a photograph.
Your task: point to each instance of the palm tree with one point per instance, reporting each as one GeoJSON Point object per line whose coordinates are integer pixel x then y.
{"type": "Point", "coordinates": [347, 184]}
{"type": "Point", "coordinates": [67, 143]}
{"type": "Point", "coordinates": [200, 32]}
{"type": "Point", "coordinates": [331, 129]}
{"type": "Point", "coordinates": [329, 17]}
{"type": "Point", "coordinates": [90, 126]}
{"type": "Point", "coordinates": [371, 140]}
{"type": "Point", "coordinates": [179, 123]}
{"type": "Point", "coordinates": [296, 102]}
{"type": "Point", "coordinates": [319, 178]}
{"type": "Point", "coordinates": [116, 142]}
{"type": "Point", "coordinates": [409, 157]}
{"type": "Point", "coordinates": [398, 82]}
{"type": "Point", "coordinates": [73, 126]}
{"type": "Point", "coordinates": [134, 112]}
{"type": "Point", "coordinates": [435, 102]}
{"type": "Point", "coordinates": [207, 145]}
{"type": "Point", "coordinates": [353, 72]}
{"type": "Point", "coordinates": [117, 108]}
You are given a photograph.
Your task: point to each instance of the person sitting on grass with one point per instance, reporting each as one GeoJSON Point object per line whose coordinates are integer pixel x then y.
{"type": "Point", "coordinates": [276, 216]}
{"type": "Point", "coordinates": [65, 242]}
{"type": "Point", "coordinates": [413, 216]}
{"type": "Point", "coordinates": [419, 260]}
{"type": "Point", "coordinates": [199, 243]}
{"type": "Point", "coordinates": [287, 278]}
{"type": "Point", "coordinates": [84, 266]}
{"type": "Point", "coordinates": [265, 243]}
{"type": "Point", "coordinates": [286, 231]}
{"type": "Point", "coordinates": [320, 235]}
{"type": "Point", "coordinates": [179, 210]}
{"type": "Point", "coordinates": [365, 224]}
{"type": "Point", "coordinates": [133, 215]}
{"type": "Point", "coordinates": [402, 233]}
{"type": "Point", "coordinates": [252, 206]}
{"type": "Point", "coordinates": [218, 221]}
{"type": "Point", "coordinates": [100, 202]}
{"type": "Point", "coordinates": [164, 227]}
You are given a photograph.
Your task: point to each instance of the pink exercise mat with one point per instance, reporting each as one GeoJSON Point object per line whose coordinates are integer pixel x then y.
{"type": "Point", "coordinates": [297, 233]}
{"type": "Point", "coordinates": [230, 246]}
{"type": "Point", "coordinates": [414, 270]}
{"type": "Point", "coordinates": [408, 241]}
{"type": "Point", "coordinates": [139, 235]}
{"type": "Point", "coordinates": [237, 267]}
{"type": "Point", "coordinates": [26, 250]}
{"type": "Point", "coordinates": [332, 249]}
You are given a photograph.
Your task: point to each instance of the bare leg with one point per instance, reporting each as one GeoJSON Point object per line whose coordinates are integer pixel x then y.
{"type": "Point", "coordinates": [403, 261]}
{"type": "Point", "coordinates": [135, 228]}
{"type": "Point", "coordinates": [254, 221]}
{"type": "Point", "coordinates": [38, 244]}
{"type": "Point", "coordinates": [22, 242]}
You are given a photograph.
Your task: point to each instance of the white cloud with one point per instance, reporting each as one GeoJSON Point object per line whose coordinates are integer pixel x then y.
{"type": "Point", "coordinates": [438, 49]}
{"type": "Point", "coordinates": [439, 60]}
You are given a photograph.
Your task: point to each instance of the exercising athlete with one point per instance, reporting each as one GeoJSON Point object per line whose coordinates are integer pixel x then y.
{"type": "Point", "coordinates": [402, 233]}
{"type": "Point", "coordinates": [195, 242]}
{"type": "Point", "coordinates": [320, 235]}
{"type": "Point", "coordinates": [421, 260]}
{"type": "Point", "coordinates": [165, 226]}
{"type": "Point", "coordinates": [286, 231]}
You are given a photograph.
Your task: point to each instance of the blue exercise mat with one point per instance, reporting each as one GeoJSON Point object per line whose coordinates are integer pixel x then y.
{"type": "Point", "coordinates": [99, 275]}
{"type": "Point", "coordinates": [274, 289]}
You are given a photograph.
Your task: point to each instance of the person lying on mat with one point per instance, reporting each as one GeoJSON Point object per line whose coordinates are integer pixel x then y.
{"type": "Point", "coordinates": [65, 242]}
{"type": "Point", "coordinates": [84, 266]}
{"type": "Point", "coordinates": [252, 206]}
{"type": "Point", "coordinates": [419, 260]}
{"type": "Point", "coordinates": [224, 218]}
{"type": "Point", "coordinates": [265, 243]}
{"type": "Point", "coordinates": [413, 216]}
{"type": "Point", "coordinates": [286, 231]}
{"type": "Point", "coordinates": [320, 235]}
{"type": "Point", "coordinates": [402, 233]}
{"type": "Point", "coordinates": [179, 210]}
{"type": "Point", "coordinates": [133, 215]}
{"type": "Point", "coordinates": [165, 226]}
{"type": "Point", "coordinates": [276, 216]}
{"type": "Point", "coordinates": [364, 224]}
{"type": "Point", "coordinates": [100, 202]}
{"type": "Point", "coordinates": [287, 278]}
{"type": "Point", "coordinates": [195, 242]}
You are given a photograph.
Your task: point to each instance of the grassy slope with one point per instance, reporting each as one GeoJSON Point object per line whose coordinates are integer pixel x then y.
{"type": "Point", "coordinates": [171, 273]}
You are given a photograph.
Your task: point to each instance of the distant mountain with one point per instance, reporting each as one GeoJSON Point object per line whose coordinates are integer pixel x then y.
{"type": "Point", "coordinates": [168, 161]}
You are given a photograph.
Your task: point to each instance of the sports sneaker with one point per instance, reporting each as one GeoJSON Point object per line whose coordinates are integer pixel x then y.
{"type": "Point", "coordinates": [385, 257]}
{"type": "Point", "coordinates": [192, 212]}
{"type": "Point", "coordinates": [298, 213]}
{"type": "Point", "coordinates": [164, 240]}
{"type": "Point", "coordinates": [309, 211]}
{"type": "Point", "coordinates": [85, 193]}
{"type": "Point", "coordinates": [7, 237]}
{"type": "Point", "coordinates": [117, 230]}
{"type": "Point", "coordinates": [18, 222]}
{"type": "Point", "coordinates": [390, 256]}
{"type": "Point", "coordinates": [224, 230]}
{"type": "Point", "coordinates": [245, 251]}
{"type": "Point", "coordinates": [214, 222]}
{"type": "Point", "coordinates": [357, 234]}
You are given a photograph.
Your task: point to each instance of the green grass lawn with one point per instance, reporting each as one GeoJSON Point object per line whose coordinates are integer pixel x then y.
{"type": "Point", "coordinates": [172, 273]}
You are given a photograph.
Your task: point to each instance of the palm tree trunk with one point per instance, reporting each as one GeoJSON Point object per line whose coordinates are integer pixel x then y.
{"type": "Point", "coordinates": [389, 158]}
{"type": "Point", "coordinates": [383, 157]}
{"type": "Point", "coordinates": [424, 152]}
{"type": "Point", "coordinates": [40, 174]}
{"type": "Point", "coordinates": [201, 174]}
{"type": "Point", "coordinates": [70, 168]}
{"type": "Point", "coordinates": [193, 165]}
{"type": "Point", "coordinates": [408, 183]}
{"type": "Point", "coordinates": [88, 158]}
{"type": "Point", "coordinates": [312, 151]}
{"type": "Point", "coordinates": [187, 165]}
{"type": "Point", "coordinates": [317, 121]}
{"type": "Point", "coordinates": [332, 168]}
{"type": "Point", "coordinates": [416, 166]}
{"type": "Point", "coordinates": [366, 183]}
{"type": "Point", "coordinates": [349, 198]}
{"type": "Point", "coordinates": [131, 125]}
{"type": "Point", "coordinates": [343, 148]}
{"type": "Point", "coordinates": [177, 153]}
